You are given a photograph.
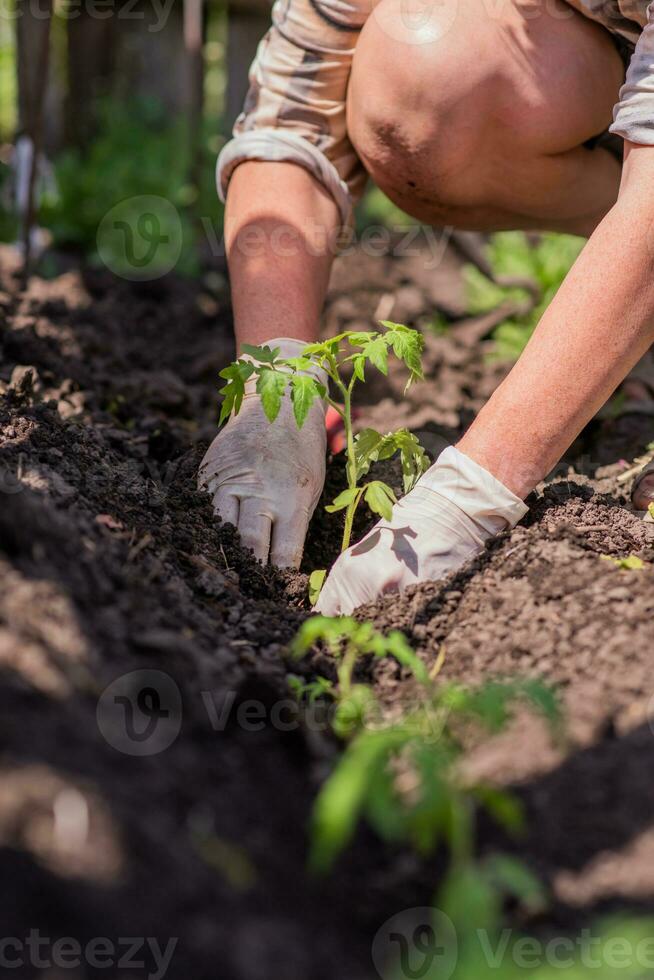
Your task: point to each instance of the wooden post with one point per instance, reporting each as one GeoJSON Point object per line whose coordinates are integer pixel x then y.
{"type": "Point", "coordinates": [194, 96]}
{"type": "Point", "coordinates": [91, 52]}
{"type": "Point", "coordinates": [33, 49]}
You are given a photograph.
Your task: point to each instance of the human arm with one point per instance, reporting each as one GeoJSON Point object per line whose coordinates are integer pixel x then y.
{"type": "Point", "coordinates": [292, 175]}
{"type": "Point", "coordinates": [595, 330]}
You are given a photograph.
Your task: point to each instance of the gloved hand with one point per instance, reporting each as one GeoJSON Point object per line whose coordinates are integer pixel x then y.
{"type": "Point", "coordinates": [455, 507]}
{"type": "Point", "coordinates": [266, 477]}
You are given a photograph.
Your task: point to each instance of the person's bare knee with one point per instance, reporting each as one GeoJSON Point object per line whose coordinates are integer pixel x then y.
{"type": "Point", "coordinates": [476, 120]}
{"type": "Point", "coordinates": [415, 114]}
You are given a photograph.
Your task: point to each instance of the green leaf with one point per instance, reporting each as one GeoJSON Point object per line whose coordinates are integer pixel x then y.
{"type": "Point", "coordinates": [376, 351]}
{"type": "Point", "coordinates": [304, 391]}
{"type": "Point", "coordinates": [327, 348]}
{"type": "Point", "coordinates": [470, 900]}
{"type": "Point", "coordinates": [407, 345]}
{"type": "Point", "coordinates": [504, 808]}
{"type": "Point", "coordinates": [236, 374]}
{"type": "Point", "coordinates": [413, 458]}
{"type": "Point", "coordinates": [398, 646]}
{"type": "Point", "coordinates": [380, 498]}
{"type": "Point", "coordinates": [514, 878]}
{"type": "Point", "coordinates": [384, 810]}
{"type": "Point", "coordinates": [631, 564]}
{"type": "Point", "coordinates": [429, 813]}
{"type": "Point", "coordinates": [270, 387]}
{"type": "Point", "coordinates": [316, 582]}
{"type": "Point", "coordinates": [343, 797]}
{"type": "Point", "coordinates": [322, 628]}
{"type": "Point", "coordinates": [343, 500]}
{"type": "Point", "coordinates": [358, 338]}
{"type": "Point", "coordinates": [264, 355]}
{"type": "Point", "coordinates": [318, 688]}
{"type": "Point", "coordinates": [370, 447]}
{"type": "Point", "coordinates": [366, 445]}
{"type": "Point", "coordinates": [353, 711]}
{"type": "Point", "coordinates": [359, 365]}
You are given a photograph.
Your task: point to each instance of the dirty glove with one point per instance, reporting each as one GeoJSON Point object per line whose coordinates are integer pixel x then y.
{"type": "Point", "coordinates": [455, 507]}
{"type": "Point", "coordinates": [266, 477]}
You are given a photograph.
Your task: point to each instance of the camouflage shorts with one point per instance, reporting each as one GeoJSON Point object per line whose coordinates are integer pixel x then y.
{"type": "Point", "coordinates": [295, 108]}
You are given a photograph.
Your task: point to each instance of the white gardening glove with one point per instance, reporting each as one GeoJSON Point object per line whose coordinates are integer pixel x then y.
{"type": "Point", "coordinates": [455, 507]}
{"type": "Point", "coordinates": [266, 477]}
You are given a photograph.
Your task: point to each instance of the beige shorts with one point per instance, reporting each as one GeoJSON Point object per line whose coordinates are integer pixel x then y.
{"type": "Point", "coordinates": [295, 108]}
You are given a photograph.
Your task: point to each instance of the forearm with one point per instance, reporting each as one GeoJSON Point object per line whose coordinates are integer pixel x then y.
{"type": "Point", "coordinates": [281, 230]}
{"type": "Point", "coordinates": [598, 326]}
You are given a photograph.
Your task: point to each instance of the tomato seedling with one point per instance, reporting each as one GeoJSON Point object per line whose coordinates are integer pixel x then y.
{"type": "Point", "coordinates": [404, 777]}
{"type": "Point", "coordinates": [347, 642]}
{"type": "Point", "coordinates": [351, 351]}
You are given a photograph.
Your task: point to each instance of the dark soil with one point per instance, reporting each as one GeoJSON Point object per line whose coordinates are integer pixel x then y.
{"type": "Point", "coordinates": [111, 562]}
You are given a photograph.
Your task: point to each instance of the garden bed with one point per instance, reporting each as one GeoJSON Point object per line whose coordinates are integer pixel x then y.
{"type": "Point", "coordinates": [112, 562]}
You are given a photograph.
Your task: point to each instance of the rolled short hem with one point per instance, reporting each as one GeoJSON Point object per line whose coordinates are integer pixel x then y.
{"type": "Point", "coordinates": [635, 131]}
{"type": "Point", "coordinates": [277, 146]}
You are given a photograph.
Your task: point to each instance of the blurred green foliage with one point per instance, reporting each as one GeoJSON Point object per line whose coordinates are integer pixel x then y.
{"type": "Point", "coordinates": [612, 947]}
{"type": "Point", "coordinates": [138, 151]}
{"type": "Point", "coordinates": [546, 261]}
{"type": "Point", "coordinates": [377, 209]}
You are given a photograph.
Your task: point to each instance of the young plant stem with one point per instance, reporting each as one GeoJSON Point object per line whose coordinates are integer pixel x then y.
{"type": "Point", "coordinates": [349, 520]}
{"type": "Point", "coordinates": [351, 465]}
{"type": "Point", "coordinates": [345, 670]}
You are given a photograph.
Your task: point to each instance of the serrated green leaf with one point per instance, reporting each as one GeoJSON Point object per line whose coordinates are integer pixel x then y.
{"type": "Point", "coordinates": [316, 582]}
{"type": "Point", "coordinates": [236, 374]}
{"type": "Point", "coordinates": [358, 338]}
{"type": "Point", "coordinates": [380, 498]}
{"type": "Point", "coordinates": [376, 351]}
{"type": "Point", "coordinates": [408, 345]}
{"type": "Point", "coordinates": [343, 500]}
{"type": "Point", "coordinates": [304, 391]}
{"type": "Point", "coordinates": [270, 388]}
{"type": "Point", "coordinates": [264, 354]}
{"type": "Point", "coordinates": [298, 363]}
{"type": "Point", "coordinates": [413, 458]}
{"type": "Point", "coordinates": [359, 366]}
{"type": "Point", "coordinates": [326, 348]}
{"type": "Point", "coordinates": [366, 445]}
